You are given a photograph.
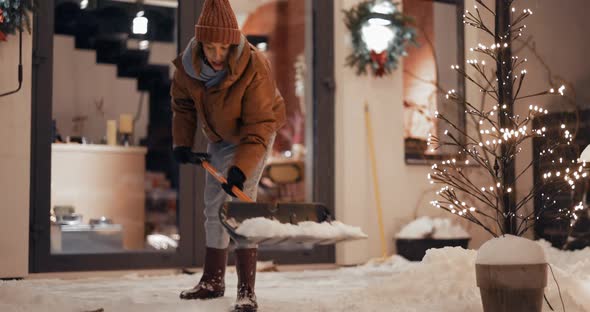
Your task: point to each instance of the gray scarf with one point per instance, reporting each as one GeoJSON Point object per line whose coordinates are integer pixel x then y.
{"type": "Point", "coordinates": [207, 75]}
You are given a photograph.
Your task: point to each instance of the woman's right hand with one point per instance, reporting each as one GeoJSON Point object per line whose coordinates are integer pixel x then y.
{"type": "Point", "coordinates": [182, 154]}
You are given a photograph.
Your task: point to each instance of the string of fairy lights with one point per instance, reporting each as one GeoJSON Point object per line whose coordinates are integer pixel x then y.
{"type": "Point", "coordinates": [491, 146]}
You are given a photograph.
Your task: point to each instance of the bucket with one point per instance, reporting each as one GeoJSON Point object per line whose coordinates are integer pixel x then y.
{"type": "Point", "coordinates": [510, 288]}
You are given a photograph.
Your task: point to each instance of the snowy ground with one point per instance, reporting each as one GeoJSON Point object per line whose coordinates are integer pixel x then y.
{"type": "Point", "coordinates": [443, 281]}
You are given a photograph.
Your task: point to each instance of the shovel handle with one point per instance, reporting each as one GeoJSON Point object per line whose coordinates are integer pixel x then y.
{"type": "Point", "coordinates": [219, 177]}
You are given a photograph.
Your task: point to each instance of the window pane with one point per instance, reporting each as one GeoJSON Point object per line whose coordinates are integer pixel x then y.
{"type": "Point", "coordinates": [428, 76]}
{"type": "Point", "coordinates": [279, 29]}
{"type": "Point", "coordinates": [114, 184]}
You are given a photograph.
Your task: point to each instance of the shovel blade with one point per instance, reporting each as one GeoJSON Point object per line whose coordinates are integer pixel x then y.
{"type": "Point", "coordinates": [233, 214]}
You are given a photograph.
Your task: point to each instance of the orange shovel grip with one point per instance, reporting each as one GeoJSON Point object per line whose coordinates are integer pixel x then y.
{"type": "Point", "coordinates": [219, 177]}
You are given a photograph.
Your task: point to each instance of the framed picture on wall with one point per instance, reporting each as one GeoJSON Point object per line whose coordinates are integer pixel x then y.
{"type": "Point", "coordinates": [428, 76]}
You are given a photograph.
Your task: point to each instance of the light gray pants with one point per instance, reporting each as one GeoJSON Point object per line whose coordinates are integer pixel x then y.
{"type": "Point", "coordinates": [222, 155]}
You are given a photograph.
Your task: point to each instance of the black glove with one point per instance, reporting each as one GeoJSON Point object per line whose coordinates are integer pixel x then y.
{"type": "Point", "coordinates": [235, 177]}
{"type": "Point", "coordinates": [184, 154]}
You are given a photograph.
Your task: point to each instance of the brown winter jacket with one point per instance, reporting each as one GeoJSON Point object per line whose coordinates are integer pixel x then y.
{"type": "Point", "coordinates": [245, 108]}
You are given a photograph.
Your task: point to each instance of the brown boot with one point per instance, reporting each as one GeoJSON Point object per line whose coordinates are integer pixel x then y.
{"type": "Point", "coordinates": [212, 284]}
{"type": "Point", "coordinates": [246, 269]}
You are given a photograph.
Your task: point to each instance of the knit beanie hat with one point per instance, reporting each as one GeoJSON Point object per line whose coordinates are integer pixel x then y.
{"type": "Point", "coordinates": [217, 23]}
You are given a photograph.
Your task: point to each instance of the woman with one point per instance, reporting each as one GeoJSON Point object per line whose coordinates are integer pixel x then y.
{"type": "Point", "coordinates": [225, 84]}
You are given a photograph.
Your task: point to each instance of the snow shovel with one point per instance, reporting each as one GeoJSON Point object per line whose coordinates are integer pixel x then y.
{"type": "Point", "coordinates": [281, 223]}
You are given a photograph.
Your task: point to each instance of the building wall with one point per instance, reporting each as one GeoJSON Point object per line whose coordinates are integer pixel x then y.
{"type": "Point", "coordinates": [400, 185]}
{"type": "Point", "coordinates": [405, 192]}
{"type": "Point", "coordinates": [15, 133]}
{"type": "Point", "coordinates": [556, 29]}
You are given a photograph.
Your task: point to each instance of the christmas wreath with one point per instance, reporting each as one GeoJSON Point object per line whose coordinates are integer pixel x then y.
{"type": "Point", "coordinates": [14, 15]}
{"type": "Point", "coordinates": [380, 33]}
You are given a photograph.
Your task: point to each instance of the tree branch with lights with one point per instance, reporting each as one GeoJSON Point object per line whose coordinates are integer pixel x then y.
{"type": "Point", "coordinates": [499, 137]}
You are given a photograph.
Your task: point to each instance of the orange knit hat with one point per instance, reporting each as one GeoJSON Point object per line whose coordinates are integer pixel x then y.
{"type": "Point", "coordinates": [217, 23]}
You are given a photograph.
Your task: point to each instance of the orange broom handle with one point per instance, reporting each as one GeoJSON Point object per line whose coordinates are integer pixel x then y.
{"type": "Point", "coordinates": [219, 177]}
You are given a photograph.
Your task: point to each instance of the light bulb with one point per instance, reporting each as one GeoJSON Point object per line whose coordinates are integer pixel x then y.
{"type": "Point", "coordinates": [377, 37]}
{"type": "Point", "coordinates": [140, 24]}
{"type": "Point", "coordinates": [144, 45]}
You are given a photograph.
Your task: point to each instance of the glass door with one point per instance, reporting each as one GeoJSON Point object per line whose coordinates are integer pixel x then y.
{"type": "Point", "coordinates": [114, 183]}
{"type": "Point", "coordinates": [291, 33]}
{"type": "Point", "coordinates": [106, 187]}
{"type": "Point", "coordinates": [278, 29]}
{"type": "Point", "coordinates": [105, 191]}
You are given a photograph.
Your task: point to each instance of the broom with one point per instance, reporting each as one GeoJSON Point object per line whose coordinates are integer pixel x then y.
{"type": "Point", "coordinates": [375, 182]}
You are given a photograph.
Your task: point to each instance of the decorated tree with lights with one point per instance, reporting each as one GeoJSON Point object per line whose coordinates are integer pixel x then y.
{"type": "Point", "coordinates": [498, 136]}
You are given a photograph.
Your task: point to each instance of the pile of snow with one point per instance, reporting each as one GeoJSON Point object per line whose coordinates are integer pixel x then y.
{"type": "Point", "coordinates": [576, 263]}
{"type": "Point", "coordinates": [437, 228]}
{"type": "Point", "coordinates": [510, 249]}
{"type": "Point", "coordinates": [585, 156]}
{"type": "Point", "coordinates": [444, 282]}
{"type": "Point", "coordinates": [267, 228]}
{"type": "Point", "coordinates": [564, 258]}
{"type": "Point", "coordinates": [161, 242]}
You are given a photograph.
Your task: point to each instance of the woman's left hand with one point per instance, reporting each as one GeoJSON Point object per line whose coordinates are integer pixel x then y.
{"type": "Point", "coordinates": [235, 177]}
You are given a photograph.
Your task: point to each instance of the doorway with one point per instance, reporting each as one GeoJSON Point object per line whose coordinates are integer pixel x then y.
{"type": "Point", "coordinates": [105, 191]}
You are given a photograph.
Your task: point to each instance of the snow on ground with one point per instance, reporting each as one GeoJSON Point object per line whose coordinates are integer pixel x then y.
{"type": "Point", "coordinates": [437, 228]}
{"type": "Point", "coordinates": [444, 282]}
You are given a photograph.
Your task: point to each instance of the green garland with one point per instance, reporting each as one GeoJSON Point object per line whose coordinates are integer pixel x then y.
{"type": "Point", "coordinates": [362, 57]}
{"type": "Point", "coordinates": [14, 14]}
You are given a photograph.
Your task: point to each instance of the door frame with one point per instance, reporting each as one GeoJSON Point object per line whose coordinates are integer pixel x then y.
{"type": "Point", "coordinates": [192, 244]}
{"type": "Point", "coordinates": [320, 150]}
{"type": "Point", "coordinates": [40, 257]}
